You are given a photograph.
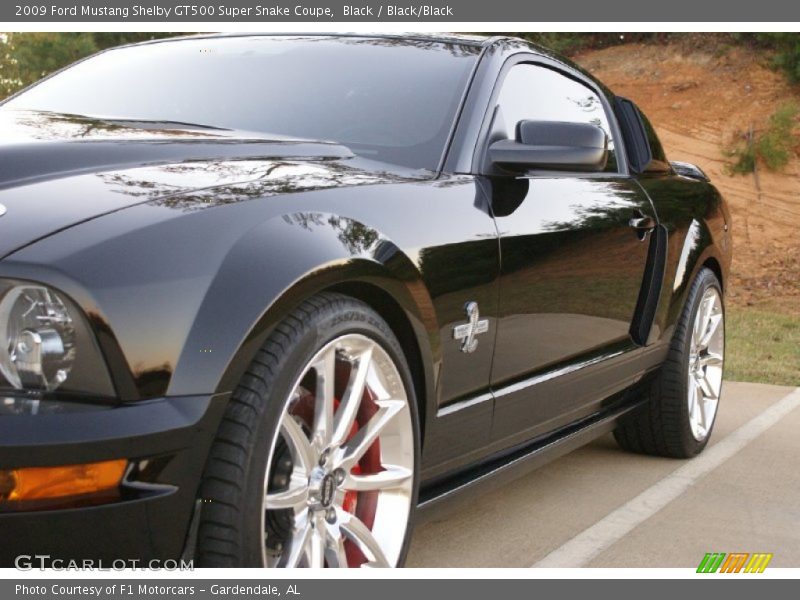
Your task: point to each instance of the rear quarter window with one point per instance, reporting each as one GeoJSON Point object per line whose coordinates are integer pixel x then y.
{"type": "Point", "coordinates": [643, 148]}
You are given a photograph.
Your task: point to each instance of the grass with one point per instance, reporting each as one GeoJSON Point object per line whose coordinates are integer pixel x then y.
{"type": "Point", "coordinates": [762, 345]}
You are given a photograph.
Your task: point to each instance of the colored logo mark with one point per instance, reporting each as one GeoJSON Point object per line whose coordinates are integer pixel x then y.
{"type": "Point", "coordinates": [735, 562]}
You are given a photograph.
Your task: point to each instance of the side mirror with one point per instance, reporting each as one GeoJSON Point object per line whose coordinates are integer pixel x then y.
{"type": "Point", "coordinates": [552, 146]}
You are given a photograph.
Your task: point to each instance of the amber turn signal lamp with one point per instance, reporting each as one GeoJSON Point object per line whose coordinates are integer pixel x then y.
{"type": "Point", "coordinates": [37, 483]}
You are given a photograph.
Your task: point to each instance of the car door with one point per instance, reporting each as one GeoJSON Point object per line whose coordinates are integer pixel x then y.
{"type": "Point", "coordinates": [572, 263]}
{"type": "Point", "coordinates": [459, 260]}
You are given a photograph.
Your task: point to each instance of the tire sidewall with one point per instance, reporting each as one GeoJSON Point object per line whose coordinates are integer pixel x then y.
{"type": "Point", "coordinates": [705, 280]}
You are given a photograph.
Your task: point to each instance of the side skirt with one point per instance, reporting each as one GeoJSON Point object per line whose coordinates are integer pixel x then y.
{"type": "Point", "coordinates": [443, 495]}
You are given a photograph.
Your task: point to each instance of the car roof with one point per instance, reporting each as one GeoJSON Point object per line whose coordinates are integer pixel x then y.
{"type": "Point", "coordinates": [446, 38]}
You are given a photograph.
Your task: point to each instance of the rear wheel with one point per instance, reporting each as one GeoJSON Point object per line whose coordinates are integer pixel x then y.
{"type": "Point", "coordinates": [315, 463]}
{"type": "Point", "coordinates": [682, 400]}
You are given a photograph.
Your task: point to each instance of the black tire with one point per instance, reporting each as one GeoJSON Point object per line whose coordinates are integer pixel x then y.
{"type": "Point", "coordinates": [229, 533]}
{"type": "Point", "coordinates": [661, 426]}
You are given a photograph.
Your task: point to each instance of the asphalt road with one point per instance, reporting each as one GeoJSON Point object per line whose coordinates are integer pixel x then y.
{"type": "Point", "coordinates": [602, 507]}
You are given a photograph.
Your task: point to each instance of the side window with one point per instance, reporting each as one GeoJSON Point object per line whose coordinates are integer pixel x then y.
{"type": "Point", "coordinates": [538, 93]}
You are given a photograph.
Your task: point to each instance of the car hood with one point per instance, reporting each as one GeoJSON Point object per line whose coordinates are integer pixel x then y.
{"type": "Point", "coordinates": [59, 170]}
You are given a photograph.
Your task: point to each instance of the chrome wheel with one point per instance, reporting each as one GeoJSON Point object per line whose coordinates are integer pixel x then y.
{"type": "Point", "coordinates": [706, 356]}
{"type": "Point", "coordinates": [339, 477]}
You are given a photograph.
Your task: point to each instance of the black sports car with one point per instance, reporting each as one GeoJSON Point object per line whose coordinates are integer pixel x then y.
{"type": "Point", "coordinates": [263, 298]}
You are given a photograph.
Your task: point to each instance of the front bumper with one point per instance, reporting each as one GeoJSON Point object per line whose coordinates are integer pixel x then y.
{"type": "Point", "coordinates": [166, 441]}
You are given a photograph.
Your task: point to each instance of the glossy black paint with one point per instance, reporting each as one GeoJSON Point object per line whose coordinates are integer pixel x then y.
{"type": "Point", "coordinates": [150, 514]}
{"type": "Point", "coordinates": [185, 248]}
{"type": "Point", "coordinates": [572, 270]}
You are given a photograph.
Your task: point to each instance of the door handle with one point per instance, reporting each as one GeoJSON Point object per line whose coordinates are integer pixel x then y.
{"type": "Point", "coordinates": [642, 223]}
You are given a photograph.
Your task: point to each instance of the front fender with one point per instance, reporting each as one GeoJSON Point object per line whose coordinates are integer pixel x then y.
{"type": "Point", "coordinates": [271, 270]}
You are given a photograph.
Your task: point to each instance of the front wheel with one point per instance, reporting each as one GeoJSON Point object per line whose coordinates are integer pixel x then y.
{"type": "Point", "coordinates": [315, 463]}
{"type": "Point", "coordinates": [682, 401]}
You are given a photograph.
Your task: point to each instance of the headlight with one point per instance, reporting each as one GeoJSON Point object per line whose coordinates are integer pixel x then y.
{"type": "Point", "coordinates": [46, 344]}
{"type": "Point", "coordinates": [37, 344]}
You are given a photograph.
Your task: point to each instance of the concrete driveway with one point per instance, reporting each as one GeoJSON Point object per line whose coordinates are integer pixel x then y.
{"type": "Point", "coordinates": [602, 507]}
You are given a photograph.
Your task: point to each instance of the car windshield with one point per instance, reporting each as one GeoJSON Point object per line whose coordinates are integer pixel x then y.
{"type": "Point", "coordinates": [392, 100]}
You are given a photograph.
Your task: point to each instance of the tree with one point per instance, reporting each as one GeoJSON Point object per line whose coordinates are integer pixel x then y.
{"type": "Point", "coordinates": [787, 52]}
{"type": "Point", "coordinates": [27, 57]}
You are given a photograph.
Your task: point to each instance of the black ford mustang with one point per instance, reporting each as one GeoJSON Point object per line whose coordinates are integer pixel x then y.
{"type": "Point", "coordinates": [264, 297]}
